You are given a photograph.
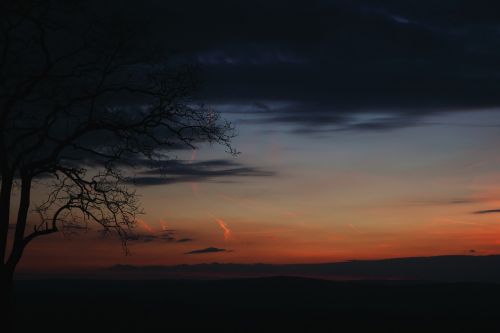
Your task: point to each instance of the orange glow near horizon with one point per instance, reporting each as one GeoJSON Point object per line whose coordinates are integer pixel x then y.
{"type": "Point", "coordinates": [359, 195]}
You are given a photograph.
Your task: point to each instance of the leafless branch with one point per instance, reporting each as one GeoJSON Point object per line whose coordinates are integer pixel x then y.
{"type": "Point", "coordinates": [78, 101]}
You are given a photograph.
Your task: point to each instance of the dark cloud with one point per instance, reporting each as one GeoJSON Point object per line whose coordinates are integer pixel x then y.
{"type": "Point", "coordinates": [463, 201]}
{"type": "Point", "coordinates": [487, 211]}
{"type": "Point", "coordinates": [207, 250]}
{"type": "Point", "coordinates": [337, 59]}
{"type": "Point", "coordinates": [327, 64]}
{"type": "Point", "coordinates": [177, 171]}
{"type": "Point", "coordinates": [185, 240]}
{"type": "Point", "coordinates": [164, 235]}
{"type": "Point", "coordinates": [444, 201]}
{"type": "Point", "coordinates": [357, 57]}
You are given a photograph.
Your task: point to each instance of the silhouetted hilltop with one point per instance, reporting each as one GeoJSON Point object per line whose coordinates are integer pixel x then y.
{"type": "Point", "coordinates": [440, 268]}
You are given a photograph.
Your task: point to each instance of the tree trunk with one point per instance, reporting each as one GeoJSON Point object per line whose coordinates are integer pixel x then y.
{"type": "Point", "coordinates": [6, 300]}
{"type": "Point", "coordinates": [5, 194]}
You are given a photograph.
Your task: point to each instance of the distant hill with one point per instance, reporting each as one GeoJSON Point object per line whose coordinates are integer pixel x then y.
{"type": "Point", "coordinates": [439, 268]}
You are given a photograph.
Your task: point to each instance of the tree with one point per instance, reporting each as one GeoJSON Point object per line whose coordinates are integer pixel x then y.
{"type": "Point", "coordinates": [83, 98]}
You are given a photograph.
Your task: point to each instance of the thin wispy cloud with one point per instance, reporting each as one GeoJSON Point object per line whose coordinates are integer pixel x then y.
{"type": "Point", "coordinates": [185, 240]}
{"type": "Point", "coordinates": [487, 211]}
{"type": "Point", "coordinates": [177, 171]}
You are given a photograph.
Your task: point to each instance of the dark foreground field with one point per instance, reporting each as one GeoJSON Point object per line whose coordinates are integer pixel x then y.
{"type": "Point", "coordinates": [278, 304]}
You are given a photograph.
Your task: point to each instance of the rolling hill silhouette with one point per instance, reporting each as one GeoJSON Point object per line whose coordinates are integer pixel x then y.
{"type": "Point", "coordinates": [440, 268]}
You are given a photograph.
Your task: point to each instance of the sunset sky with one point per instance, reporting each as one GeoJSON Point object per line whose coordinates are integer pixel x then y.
{"type": "Point", "coordinates": [367, 129]}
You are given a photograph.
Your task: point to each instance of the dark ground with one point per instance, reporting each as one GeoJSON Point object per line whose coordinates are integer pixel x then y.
{"type": "Point", "coordinates": [256, 305]}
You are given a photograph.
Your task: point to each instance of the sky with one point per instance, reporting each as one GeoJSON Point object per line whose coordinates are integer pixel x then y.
{"type": "Point", "coordinates": [366, 130]}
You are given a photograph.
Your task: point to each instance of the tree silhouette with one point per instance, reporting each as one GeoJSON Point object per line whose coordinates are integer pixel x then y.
{"type": "Point", "coordinates": [83, 98]}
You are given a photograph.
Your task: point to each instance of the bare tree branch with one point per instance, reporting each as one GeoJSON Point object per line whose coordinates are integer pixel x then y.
{"type": "Point", "coordinates": [79, 100]}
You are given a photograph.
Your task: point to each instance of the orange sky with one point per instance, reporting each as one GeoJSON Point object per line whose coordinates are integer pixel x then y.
{"type": "Point", "coordinates": [352, 195]}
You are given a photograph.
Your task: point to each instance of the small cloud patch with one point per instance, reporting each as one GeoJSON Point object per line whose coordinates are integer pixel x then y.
{"type": "Point", "coordinates": [207, 250]}
{"type": "Point", "coordinates": [185, 240]}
